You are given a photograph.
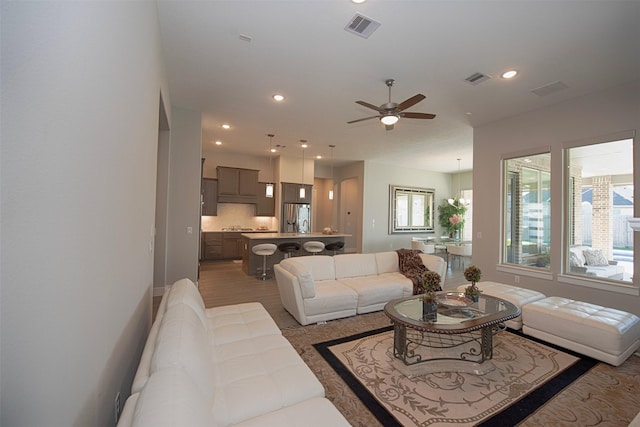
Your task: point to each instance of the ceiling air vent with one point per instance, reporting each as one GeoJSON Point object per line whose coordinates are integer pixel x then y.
{"type": "Point", "coordinates": [549, 89]}
{"type": "Point", "coordinates": [477, 78]}
{"type": "Point", "coordinates": [362, 26]}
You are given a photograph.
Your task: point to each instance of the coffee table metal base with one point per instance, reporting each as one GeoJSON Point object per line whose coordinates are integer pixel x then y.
{"type": "Point", "coordinates": [413, 346]}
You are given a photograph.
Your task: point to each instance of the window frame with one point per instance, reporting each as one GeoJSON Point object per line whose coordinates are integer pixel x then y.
{"type": "Point", "coordinates": [566, 275]}
{"type": "Point", "coordinates": [509, 267]}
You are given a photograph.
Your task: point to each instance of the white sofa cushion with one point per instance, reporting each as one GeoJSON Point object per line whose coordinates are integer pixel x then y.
{"type": "Point", "coordinates": [355, 265]}
{"type": "Point", "coordinates": [331, 296]}
{"type": "Point", "coordinates": [184, 291]}
{"type": "Point", "coordinates": [317, 412]}
{"type": "Point", "coordinates": [387, 262]}
{"type": "Point", "coordinates": [183, 343]}
{"type": "Point", "coordinates": [259, 375]}
{"type": "Point", "coordinates": [304, 276]}
{"type": "Point", "coordinates": [375, 291]}
{"type": "Point", "coordinates": [238, 322]}
{"type": "Point", "coordinates": [169, 399]}
{"type": "Point", "coordinates": [613, 334]}
{"type": "Point", "coordinates": [399, 280]}
{"type": "Point", "coordinates": [321, 266]}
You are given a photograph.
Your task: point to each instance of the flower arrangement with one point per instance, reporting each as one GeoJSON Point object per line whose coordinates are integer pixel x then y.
{"type": "Point", "coordinates": [451, 217]}
{"type": "Point", "coordinates": [472, 274]}
{"type": "Point", "coordinates": [430, 284]}
{"type": "Point", "coordinates": [455, 221]}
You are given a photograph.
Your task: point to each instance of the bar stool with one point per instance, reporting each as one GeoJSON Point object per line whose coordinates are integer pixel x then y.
{"type": "Point", "coordinates": [289, 248]}
{"type": "Point", "coordinates": [313, 246]}
{"type": "Point", "coordinates": [334, 246]}
{"type": "Point", "coordinates": [264, 250]}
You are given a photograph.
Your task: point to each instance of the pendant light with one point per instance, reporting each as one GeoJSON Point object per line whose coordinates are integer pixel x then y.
{"type": "Point", "coordinates": [460, 200]}
{"type": "Point", "coordinates": [331, 189]}
{"type": "Point", "coordinates": [269, 186]}
{"type": "Point", "coordinates": [303, 191]}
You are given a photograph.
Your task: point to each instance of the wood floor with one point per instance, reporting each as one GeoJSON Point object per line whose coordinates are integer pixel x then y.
{"type": "Point", "coordinates": [224, 283]}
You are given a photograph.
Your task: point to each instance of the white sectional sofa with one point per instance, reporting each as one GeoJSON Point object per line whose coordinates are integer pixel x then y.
{"type": "Point", "coordinates": [585, 260]}
{"type": "Point", "coordinates": [320, 288]}
{"type": "Point", "coordinates": [224, 366]}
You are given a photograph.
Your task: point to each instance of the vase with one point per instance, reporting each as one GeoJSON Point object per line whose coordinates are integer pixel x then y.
{"type": "Point", "coordinates": [429, 311]}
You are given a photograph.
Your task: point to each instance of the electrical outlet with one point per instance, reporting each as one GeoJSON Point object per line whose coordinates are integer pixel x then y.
{"type": "Point", "coordinates": [116, 405]}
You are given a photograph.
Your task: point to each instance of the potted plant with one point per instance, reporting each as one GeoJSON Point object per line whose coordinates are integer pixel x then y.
{"type": "Point", "coordinates": [430, 285]}
{"type": "Point", "coordinates": [472, 274]}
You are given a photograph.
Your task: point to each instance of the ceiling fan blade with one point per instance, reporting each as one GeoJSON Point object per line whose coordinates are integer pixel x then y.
{"type": "Point", "coordinates": [411, 101]}
{"type": "Point", "coordinates": [417, 115]}
{"type": "Point", "coordinates": [366, 104]}
{"type": "Point", "coordinates": [366, 118]}
{"type": "Point", "coordinates": [388, 127]}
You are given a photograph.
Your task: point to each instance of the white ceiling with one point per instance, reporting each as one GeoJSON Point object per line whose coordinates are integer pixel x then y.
{"type": "Point", "coordinates": [300, 49]}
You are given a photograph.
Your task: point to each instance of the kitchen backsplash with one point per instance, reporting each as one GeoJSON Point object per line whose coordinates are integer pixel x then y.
{"type": "Point", "coordinates": [234, 215]}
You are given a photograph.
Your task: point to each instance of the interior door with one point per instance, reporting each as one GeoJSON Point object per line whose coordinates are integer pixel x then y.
{"type": "Point", "coordinates": [350, 213]}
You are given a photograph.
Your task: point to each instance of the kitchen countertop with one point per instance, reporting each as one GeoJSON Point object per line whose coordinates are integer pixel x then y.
{"type": "Point", "coordinates": [239, 231]}
{"type": "Point", "coordinates": [253, 235]}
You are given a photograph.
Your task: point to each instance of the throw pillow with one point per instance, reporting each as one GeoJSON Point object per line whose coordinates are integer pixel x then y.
{"type": "Point", "coordinates": [574, 260]}
{"type": "Point", "coordinates": [595, 257]}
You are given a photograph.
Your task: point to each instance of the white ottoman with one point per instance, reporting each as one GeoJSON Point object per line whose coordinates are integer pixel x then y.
{"type": "Point", "coordinates": [515, 295]}
{"type": "Point", "coordinates": [603, 333]}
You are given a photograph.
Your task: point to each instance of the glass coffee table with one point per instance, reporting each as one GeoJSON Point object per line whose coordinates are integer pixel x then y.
{"type": "Point", "coordinates": [462, 332]}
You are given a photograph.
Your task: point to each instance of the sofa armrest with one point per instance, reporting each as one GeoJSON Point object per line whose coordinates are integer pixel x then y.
{"type": "Point", "coordinates": [613, 262]}
{"type": "Point", "coordinates": [290, 293]}
{"type": "Point", "coordinates": [437, 264]}
{"type": "Point", "coordinates": [579, 270]}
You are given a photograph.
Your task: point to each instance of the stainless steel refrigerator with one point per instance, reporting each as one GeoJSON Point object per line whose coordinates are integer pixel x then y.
{"type": "Point", "coordinates": [296, 218]}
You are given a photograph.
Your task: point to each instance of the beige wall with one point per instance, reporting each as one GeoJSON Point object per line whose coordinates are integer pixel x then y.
{"type": "Point", "coordinates": [586, 118]}
{"type": "Point", "coordinates": [375, 222]}
{"type": "Point", "coordinates": [81, 85]}
{"type": "Point", "coordinates": [183, 224]}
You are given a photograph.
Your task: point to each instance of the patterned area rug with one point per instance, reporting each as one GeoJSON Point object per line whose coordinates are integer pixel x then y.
{"type": "Point", "coordinates": [407, 398]}
{"type": "Point", "coordinates": [605, 395]}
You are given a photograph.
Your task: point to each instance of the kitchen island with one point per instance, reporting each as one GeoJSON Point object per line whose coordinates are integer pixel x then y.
{"type": "Point", "coordinates": [251, 262]}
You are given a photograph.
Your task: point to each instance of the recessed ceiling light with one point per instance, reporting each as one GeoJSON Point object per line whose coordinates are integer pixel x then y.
{"type": "Point", "coordinates": [218, 142]}
{"type": "Point", "coordinates": [318, 157]}
{"type": "Point", "coordinates": [509, 74]}
{"type": "Point", "coordinates": [226, 126]}
{"type": "Point", "coordinates": [273, 150]}
{"type": "Point", "coordinates": [358, 1]}
{"type": "Point", "coordinates": [278, 97]}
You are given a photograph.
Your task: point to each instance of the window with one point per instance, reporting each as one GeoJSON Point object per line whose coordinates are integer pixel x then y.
{"type": "Point", "coordinates": [527, 211]}
{"type": "Point", "coordinates": [410, 209]}
{"type": "Point", "coordinates": [600, 189]}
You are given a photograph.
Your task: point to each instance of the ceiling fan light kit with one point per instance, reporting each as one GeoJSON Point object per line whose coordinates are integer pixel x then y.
{"type": "Point", "coordinates": [390, 113]}
{"type": "Point", "coordinates": [390, 119]}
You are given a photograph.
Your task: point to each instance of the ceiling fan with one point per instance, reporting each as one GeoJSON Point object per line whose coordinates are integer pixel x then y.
{"type": "Point", "coordinates": [391, 112]}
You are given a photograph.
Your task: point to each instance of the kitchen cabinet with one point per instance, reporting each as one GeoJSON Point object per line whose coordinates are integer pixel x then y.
{"type": "Point", "coordinates": [211, 246]}
{"type": "Point", "coordinates": [232, 246]}
{"type": "Point", "coordinates": [291, 193]}
{"type": "Point", "coordinates": [265, 206]}
{"type": "Point", "coordinates": [217, 245]}
{"type": "Point", "coordinates": [237, 185]}
{"type": "Point", "coordinates": [209, 197]}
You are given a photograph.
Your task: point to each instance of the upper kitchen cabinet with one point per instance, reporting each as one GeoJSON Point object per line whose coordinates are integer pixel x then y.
{"type": "Point", "coordinates": [209, 197]}
{"type": "Point", "coordinates": [291, 193]}
{"type": "Point", "coordinates": [265, 206]}
{"type": "Point", "coordinates": [237, 185]}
